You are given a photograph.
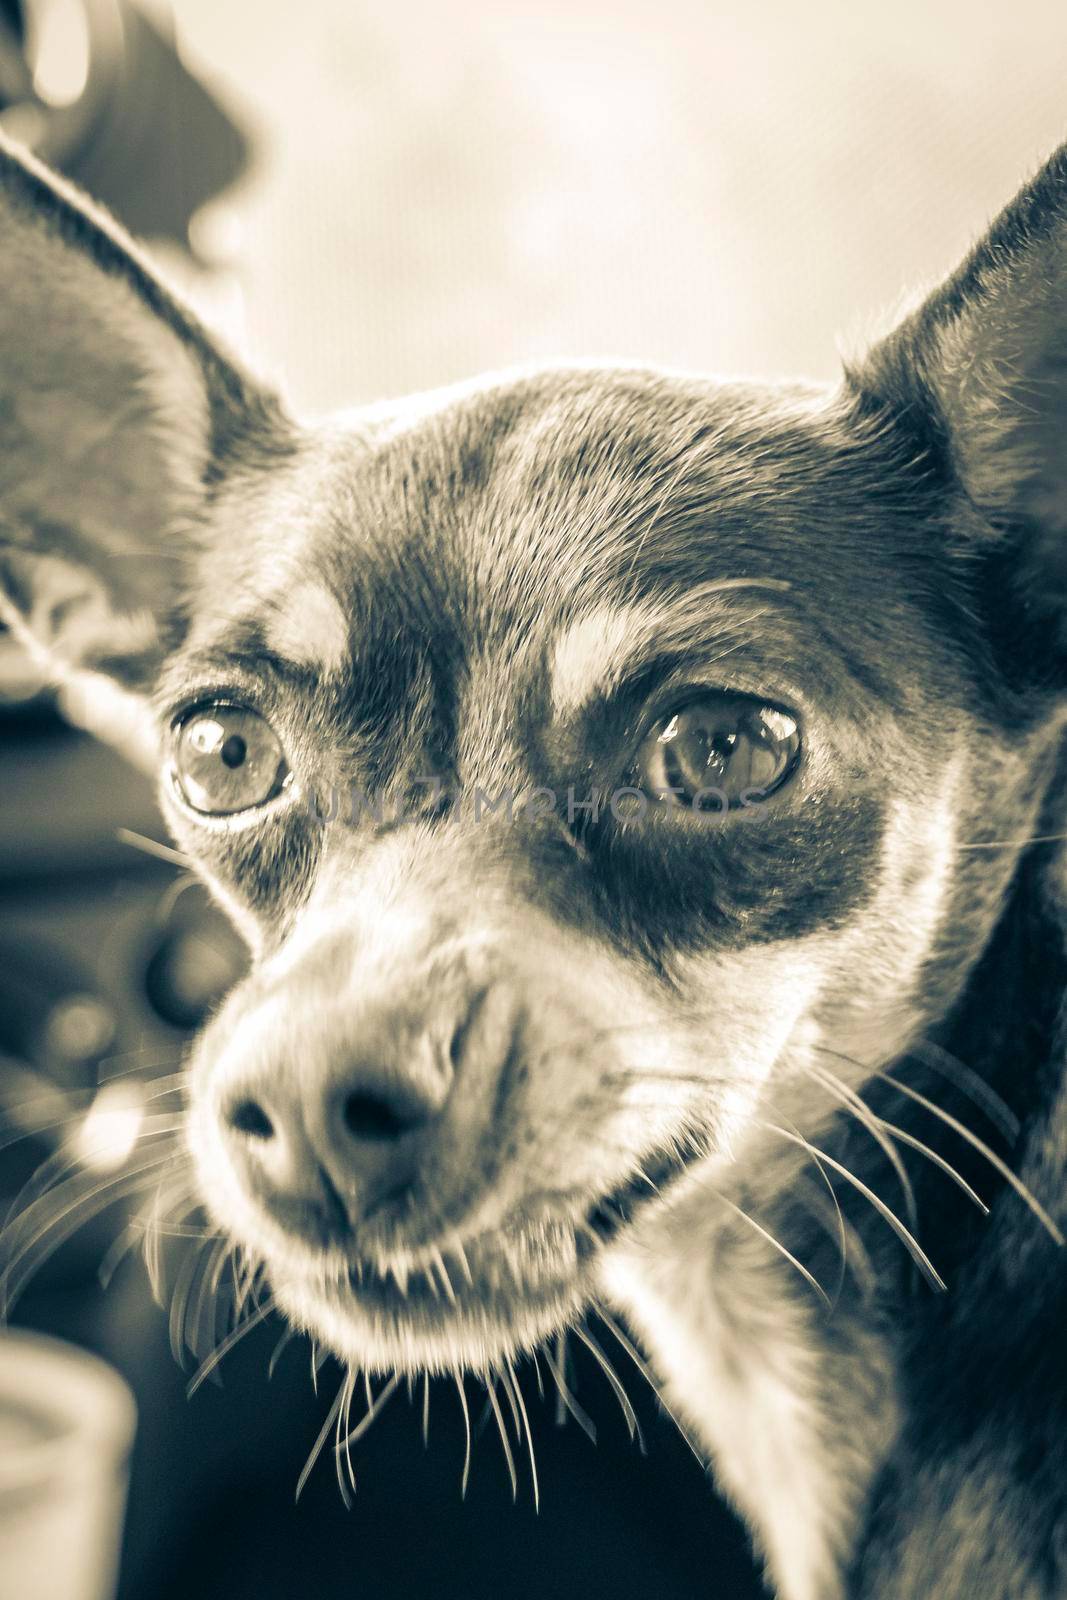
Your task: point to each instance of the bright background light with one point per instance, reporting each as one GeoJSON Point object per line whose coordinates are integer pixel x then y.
{"type": "Point", "coordinates": [106, 1136]}
{"type": "Point", "coordinates": [451, 186]}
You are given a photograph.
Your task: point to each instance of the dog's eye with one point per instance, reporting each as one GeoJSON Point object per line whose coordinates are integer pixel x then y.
{"type": "Point", "coordinates": [227, 759]}
{"type": "Point", "coordinates": [718, 752]}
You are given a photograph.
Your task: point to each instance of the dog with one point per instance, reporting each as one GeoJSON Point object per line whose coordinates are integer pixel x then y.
{"type": "Point", "coordinates": [642, 797]}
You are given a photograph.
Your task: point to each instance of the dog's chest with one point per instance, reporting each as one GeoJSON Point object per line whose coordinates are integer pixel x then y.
{"type": "Point", "coordinates": [795, 1417]}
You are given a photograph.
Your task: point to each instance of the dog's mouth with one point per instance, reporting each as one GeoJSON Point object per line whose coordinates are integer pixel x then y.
{"type": "Point", "coordinates": [538, 1262]}
{"type": "Point", "coordinates": [501, 1292]}
{"type": "Point", "coordinates": [616, 1211]}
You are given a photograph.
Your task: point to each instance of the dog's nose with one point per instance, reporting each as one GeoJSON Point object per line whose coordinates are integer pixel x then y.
{"type": "Point", "coordinates": [319, 1168]}
{"type": "Point", "coordinates": [269, 1146]}
{"type": "Point", "coordinates": [333, 1138]}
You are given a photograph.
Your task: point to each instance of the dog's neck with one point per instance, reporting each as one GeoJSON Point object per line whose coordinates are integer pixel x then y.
{"type": "Point", "coordinates": [1007, 1026]}
{"type": "Point", "coordinates": [1008, 1022]}
{"type": "Point", "coordinates": [800, 1408]}
{"type": "Point", "coordinates": [1005, 1272]}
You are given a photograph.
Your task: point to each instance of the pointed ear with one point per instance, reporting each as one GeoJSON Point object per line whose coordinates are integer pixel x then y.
{"type": "Point", "coordinates": [979, 375]}
{"type": "Point", "coordinates": [118, 418]}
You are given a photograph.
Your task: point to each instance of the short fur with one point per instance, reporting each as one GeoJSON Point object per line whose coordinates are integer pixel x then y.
{"type": "Point", "coordinates": [688, 1066]}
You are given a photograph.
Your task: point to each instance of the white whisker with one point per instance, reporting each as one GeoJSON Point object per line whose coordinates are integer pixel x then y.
{"type": "Point", "coordinates": [207, 1367]}
{"type": "Point", "coordinates": [633, 1426]}
{"type": "Point", "coordinates": [502, 1430]}
{"type": "Point", "coordinates": [787, 1255]}
{"type": "Point", "coordinates": [458, 1380]}
{"type": "Point", "coordinates": [316, 1449]}
{"type": "Point", "coordinates": [983, 1149]}
{"type": "Point", "coordinates": [912, 1245]}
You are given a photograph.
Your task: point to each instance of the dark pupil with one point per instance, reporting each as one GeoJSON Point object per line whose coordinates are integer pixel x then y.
{"type": "Point", "coordinates": [718, 744]}
{"type": "Point", "coordinates": [699, 753]}
{"type": "Point", "coordinates": [233, 750]}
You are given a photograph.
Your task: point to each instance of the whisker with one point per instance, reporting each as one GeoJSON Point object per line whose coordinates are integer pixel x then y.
{"type": "Point", "coordinates": [633, 1426]}
{"type": "Point", "coordinates": [840, 1090]}
{"type": "Point", "coordinates": [181, 1230]}
{"type": "Point", "coordinates": [1012, 844]}
{"type": "Point", "coordinates": [208, 1366]}
{"type": "Point", "coordinates": [28, 1125]}
{"type": "Point", "coordinates": [842, 1226]}
{"type": "Point", "coordinates": [873, 1124]}
{"type": "Point", "coordinates": [566, 1398]}
{"type": "Point", "coordinates": [225, 1257]}
{"type": "Point", "coordinates": [983, 1149]}
{"type": "Point", "coordinates": [911, 1244]}
{"type": "Point", "coordinates": [456, 1246]}
{"type": "Point", "coordinates": [120, 1247]}
{"type": "Point", "coordinates": [490, 1387]}
{"type": "Point", "coordinates": [373, 1411]}
{"type": "Point", "coordinates": [342, 1423]}
{"type": "Point", "coordinates": [520, 1402]}
{"type": "Point", "coordinates": [153, 847]}
{"type": "Point", "coordinates": [257, 1283]}
{"type": "Point", "coordinates": [184, 1202]}
{"type": "Point", "coordinates": [192, 1264]}
{"type": "Point", "coordinates": [176, 1198]}
{"type": "Point", "coordinates": [316, 1449]}
{"type": "Point", "coordinates": [245, 1273]}
{"type": "Point", "coordinates": [137, 1067]}
{"type": "Point", "coordinates": [287, 1338]}
{"type": "Point", "coordinates": [787, 1255]}
{"type": "Point", "coordinates": [47, 1176]}
{"type": "Point", "coordinates": [60, 1223]}
{"type": "Point", "coordinates": [207, 1296]}
{"type": "Point", "coordinates": [53, 1169]}
{"type": "Point", "coordinates": [437, 1261]}
{"type": "Point", "coordinates": [643, 1368]}
{"type": "Point", "coordinates": [812, 1197]}
{"type": "Point", "coordinates": [970, 1083]}
{"type": "Point", "coordinates": [319, 1359]}
{"type": "Point", "coordinates": [938, 1161]}
{"type": "Point", "coordinates": [458, 1380]}
{"type": "Point", "coordinates": [516, 1422]}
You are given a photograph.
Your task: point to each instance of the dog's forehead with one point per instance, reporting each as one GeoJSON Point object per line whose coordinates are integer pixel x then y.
{"type": "Point", "coordinates": [520, 500]}
{"type": "Point", "coordinates": [548, 514]}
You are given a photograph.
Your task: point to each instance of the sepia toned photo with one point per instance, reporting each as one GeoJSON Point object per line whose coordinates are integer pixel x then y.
{"type": "Point", "coordinates": [533, 698]}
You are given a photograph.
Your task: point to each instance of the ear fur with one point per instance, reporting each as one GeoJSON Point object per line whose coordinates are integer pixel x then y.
{"type": "Point", "coordinates": [979, 374]}
{"type": "Point", "coordinates": [118, 417]}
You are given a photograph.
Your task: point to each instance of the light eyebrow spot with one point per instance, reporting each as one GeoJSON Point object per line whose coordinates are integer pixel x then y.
{"type": "Point", "coordinates": [308, 626]}
{"type": "Point", "coordinates": [591, 653]}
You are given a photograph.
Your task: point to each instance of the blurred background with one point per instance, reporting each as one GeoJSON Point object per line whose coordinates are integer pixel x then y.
{"type": "Point", "coordinates": [374, 198]}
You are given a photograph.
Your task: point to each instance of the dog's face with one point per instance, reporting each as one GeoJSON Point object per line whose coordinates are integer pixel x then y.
{"type": "Point", "coordinates": [522, 960]}
{"type": "Point", "coordinates": [584, 755]}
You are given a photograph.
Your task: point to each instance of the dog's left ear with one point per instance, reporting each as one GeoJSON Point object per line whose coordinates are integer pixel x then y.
{"type": "Point", "coordinates": [978, 374]}
{"type": "Point", "coordinates": [119, 420]}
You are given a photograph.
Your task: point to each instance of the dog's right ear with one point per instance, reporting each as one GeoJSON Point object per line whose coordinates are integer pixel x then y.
{"type": "Point", "coordinates": [118, 418]}
{"type": "Point", "coordinates": [976, 379]}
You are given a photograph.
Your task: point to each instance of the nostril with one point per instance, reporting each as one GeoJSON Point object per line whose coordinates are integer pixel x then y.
{"type": "Point", "coordinates": [247, 1116]}
{"type": "Point", "coordinates": [368, 1116]}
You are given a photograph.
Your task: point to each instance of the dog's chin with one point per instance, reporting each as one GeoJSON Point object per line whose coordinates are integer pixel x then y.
{"type": "Point", "coordinates": [510, 1293]}
{"type": "Point", "coordinates": [504, 1293]}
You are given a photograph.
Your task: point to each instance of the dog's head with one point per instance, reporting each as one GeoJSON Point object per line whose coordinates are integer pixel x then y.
{"type": "Point", "coordinates": [582, 752]}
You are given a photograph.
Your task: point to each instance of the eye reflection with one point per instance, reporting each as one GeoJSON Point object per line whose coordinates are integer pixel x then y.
{"type": "Point", "coordinates": [718, 752]}
{"type": "Point", "coordinates": [227, 758]}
